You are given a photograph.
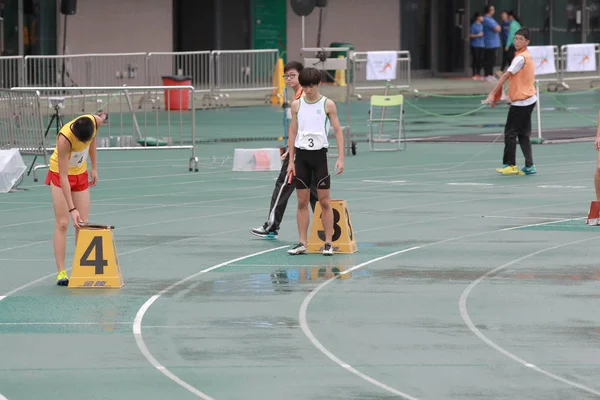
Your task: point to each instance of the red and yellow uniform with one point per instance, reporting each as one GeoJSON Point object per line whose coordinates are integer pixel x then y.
{"type": "Point", "coordinates": [78, 172]}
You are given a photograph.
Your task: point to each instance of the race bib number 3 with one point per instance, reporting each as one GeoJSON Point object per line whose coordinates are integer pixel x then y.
{"type": "Point", "coordinates": [311, 140]}
{"type": "Point", "coordinates": [78, 158]}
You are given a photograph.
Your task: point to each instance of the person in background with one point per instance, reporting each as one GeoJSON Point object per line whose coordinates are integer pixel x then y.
{"type": "Point", "coordinates": [515, 25]}
{"type": "Point", "coordinates": [477, 45]}
{"type": "Point", "coordinates": [505, 26]}
{"type": "Point", "coordinates": [491, 39]}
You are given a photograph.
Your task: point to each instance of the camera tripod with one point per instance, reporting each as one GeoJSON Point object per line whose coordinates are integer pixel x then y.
{"type": "Point", "coordinates": [57, 119]}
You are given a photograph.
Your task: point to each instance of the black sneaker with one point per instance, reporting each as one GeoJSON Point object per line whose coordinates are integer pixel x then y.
{"type": "Point", "coordinates": [328, 249]}
{"type": "Point", "coordinates": [263, 233]}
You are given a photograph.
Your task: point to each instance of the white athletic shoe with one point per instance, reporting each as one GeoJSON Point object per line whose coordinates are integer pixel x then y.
{"type": "Point", "coordinates": [328, 249]}
{"type": "Point", "coordinates": [298, 249]}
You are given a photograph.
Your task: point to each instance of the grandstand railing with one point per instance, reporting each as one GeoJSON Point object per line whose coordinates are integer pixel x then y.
{"type": "Point", "coordinates": [133, 123]}
{"type": "Point", "coordinates": [359, 73]}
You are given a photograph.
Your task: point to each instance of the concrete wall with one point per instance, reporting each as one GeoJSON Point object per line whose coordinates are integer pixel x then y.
{"type": "Point", "coordinates": [368, 25]}
{"type": "Point", "coordinates": [118, 26]}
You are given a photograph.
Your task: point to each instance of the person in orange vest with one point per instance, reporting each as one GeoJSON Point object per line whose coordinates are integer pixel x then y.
{"type": "Point", "coordinates": [522, 98]}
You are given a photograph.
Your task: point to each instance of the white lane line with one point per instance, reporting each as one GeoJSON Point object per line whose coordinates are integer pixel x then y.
{"type": "Point", "coordinates": [329, 354]}
{"type": "Point", "coordinates": [137, 323]}
{"type": "Point", "coordinates": [462, 305]}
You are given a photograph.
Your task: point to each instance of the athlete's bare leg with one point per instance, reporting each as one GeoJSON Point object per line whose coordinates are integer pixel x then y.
{"type": "Point", "coordinates": [327, 213]}
{"type": "Point", "coordinates": [303, 216]}
{"type": "Point", "coordinates": [61, 214]}
{"type": "Point", "coordinates": [81, 200]}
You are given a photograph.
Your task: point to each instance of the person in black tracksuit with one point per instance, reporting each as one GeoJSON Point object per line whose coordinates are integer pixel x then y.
{"type": "Point", "coordinates": [291, 71]}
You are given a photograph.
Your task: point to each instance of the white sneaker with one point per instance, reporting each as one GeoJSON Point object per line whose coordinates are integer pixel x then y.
{"type": "Point", "coordinates": [328, 249]}
{"type": "Point", "coordinates": [298, 249]}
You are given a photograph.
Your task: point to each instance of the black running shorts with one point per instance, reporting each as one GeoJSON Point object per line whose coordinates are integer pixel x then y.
{"type": "Point", "coordinates": [312, 164]}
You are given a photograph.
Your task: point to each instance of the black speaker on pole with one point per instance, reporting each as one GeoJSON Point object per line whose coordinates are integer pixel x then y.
{"type": "Point", "coordinates": [303, 8]}
{"type": "Point", "coordinates": [68, 7]}
{"type": "Point", "coordinates": [321, 3]}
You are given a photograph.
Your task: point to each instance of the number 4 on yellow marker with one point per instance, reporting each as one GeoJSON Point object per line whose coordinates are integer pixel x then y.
{"type": "Point", "coordinates": [96, 264]}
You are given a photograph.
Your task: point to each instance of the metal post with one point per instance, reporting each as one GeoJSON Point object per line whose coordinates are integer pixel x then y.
{"type": "Point", "coordinates": [1, 36]}
{"type": "Point", "coordinates": [20, 27]}
{"type": "Point", "coordinates": [539, 110]}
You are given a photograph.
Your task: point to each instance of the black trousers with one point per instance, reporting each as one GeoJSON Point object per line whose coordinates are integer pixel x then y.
{"type": "Point", "coordinates": [285, 196]}
{"type": "Point", "coordinates": [477, 58]}
{"type": "Point", "coordinates": [489, 61]}
{"type": "Point", "coordinates": [518, 126]}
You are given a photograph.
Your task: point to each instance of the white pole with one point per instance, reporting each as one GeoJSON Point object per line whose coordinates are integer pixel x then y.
{"type": "Point", "coordinates": [539, 111]}
{"type": "Point", "coordinates": [303, 46]}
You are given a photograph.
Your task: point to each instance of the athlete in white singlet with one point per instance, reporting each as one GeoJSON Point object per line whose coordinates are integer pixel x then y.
{"type": "Point", "coordinates": [312, 117]}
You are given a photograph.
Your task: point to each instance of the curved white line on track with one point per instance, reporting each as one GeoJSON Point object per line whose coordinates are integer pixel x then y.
{"type": "Point", "coordinates": [304, 307]}
{"type": "Point", "coordinates": [462, 305]}
{"type": "Point", "coordinates": [330, 355]}
{"type": "Point", "coordinates": [137, 323]}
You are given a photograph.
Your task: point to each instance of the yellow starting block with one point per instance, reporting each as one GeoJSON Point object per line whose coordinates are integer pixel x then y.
{"type": "Point", "coordinates": [343, 236]}
{"type": "Point", "coordinates": [96, 264]}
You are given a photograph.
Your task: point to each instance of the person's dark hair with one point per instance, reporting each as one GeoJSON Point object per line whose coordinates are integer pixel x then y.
{"type": "Point", "coordinates": [293, 65]}
{"type": "Point", "coordinates": [523, 32]}
{"type": "Point", "coordinates": [309, 77]}
{"type": "Point", "coordinates": [487, 9]}
{"type": "Point", "coordinates": [83, 128]}
{"type": "Point", "coordinates": [511, 13]}
{"type": "Point", "coordinates": [475, 16]}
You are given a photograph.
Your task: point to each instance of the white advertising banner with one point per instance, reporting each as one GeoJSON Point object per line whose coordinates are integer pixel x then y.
{"type": "Point", "coordinates": [580, 57]}
{"type": "Point", "coordinates": [543, 57]}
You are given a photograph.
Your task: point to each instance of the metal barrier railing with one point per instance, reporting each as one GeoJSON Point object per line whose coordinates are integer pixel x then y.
{"type": "Point", "coordinates": [111, 69]}
{"type": "Point", "coordinates": [194, 64]}
{"type": "Point", "coordinates": [11, 71]}
{"type": "Point", "coordinates": [197, 65]}
{"type": "Point", "coordinates": [129, 127]}
{"type": "Point", "coordinates": [217, 74]}
{"type": "Point", "coordinates": [244, 71]}
{"type": "Point", "coordinates": [359, 73]}
{"type": "Point", "coordinates": [21, 124]}
{"type": "Point", "coordinates": [579, 62]}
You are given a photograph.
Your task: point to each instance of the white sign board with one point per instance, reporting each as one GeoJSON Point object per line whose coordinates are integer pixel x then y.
{"type": "Point", "coordinates": [543, 57]}
{"type": "Point", "coordinates": [580, 57]}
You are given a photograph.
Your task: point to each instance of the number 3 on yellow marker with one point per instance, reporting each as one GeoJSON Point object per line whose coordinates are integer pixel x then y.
{"type": "Point", "coordinates": [343, 235]}
{"type": "Point", "coordinates": [96, 264]}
